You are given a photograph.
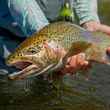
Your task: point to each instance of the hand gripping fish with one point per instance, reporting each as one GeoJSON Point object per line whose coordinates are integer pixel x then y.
{"type": "Point", "coordinates": [49, 49]}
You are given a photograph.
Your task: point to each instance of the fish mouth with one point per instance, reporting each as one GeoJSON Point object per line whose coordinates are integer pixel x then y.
{"type": "Point", "coordinates": [21, 64]}
{"type": "Point", "coordinates": [26, 68]}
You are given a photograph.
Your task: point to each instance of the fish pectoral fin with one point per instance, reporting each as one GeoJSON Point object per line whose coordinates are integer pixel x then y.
{"type": "Point", "coordinates": [76, 48]}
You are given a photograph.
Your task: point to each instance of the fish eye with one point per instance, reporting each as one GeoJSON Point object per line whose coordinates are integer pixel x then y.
{"type": "Point", "coordinates": [30, 51]}
{"type": "Point", "coordinates": [33, 51]}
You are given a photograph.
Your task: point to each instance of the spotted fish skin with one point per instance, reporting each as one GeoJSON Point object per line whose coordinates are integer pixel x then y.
{"type": "Point", "coordinates": [60, 35]}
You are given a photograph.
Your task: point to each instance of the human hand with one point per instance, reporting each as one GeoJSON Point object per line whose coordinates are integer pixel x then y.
{"type": "Point", "coordinates": [75, 63]}
{"type": "Point", "coordinates": [96, 26]}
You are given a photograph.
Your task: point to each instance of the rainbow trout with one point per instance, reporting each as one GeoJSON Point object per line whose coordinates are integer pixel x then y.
{"type": "Point", "coordinates": [50, 48]}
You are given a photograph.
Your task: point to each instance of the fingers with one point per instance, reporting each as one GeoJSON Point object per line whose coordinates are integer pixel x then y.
{"type": "Point", "coordinates": [81, 59]}
{"type": "Point", "coordinates": [105, 29]}
{"type": "Point", "coordinates": [75, 63]}
{"type": "Point", "coordinates": [91, 26]}
{"type": "Point", "coordinates": [77, 60]}
{"type": "Point", "coordinates": [96, 26]}
{"type": "Point", "coordinates": [72, 61]}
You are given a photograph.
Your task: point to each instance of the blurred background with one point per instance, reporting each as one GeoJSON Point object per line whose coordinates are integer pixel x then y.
{"type": "Point", "coordinates": [104, 11]}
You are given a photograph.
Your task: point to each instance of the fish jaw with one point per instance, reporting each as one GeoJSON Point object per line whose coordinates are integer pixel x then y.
{"type": "Point", "coordinates": [24, 66]}
{"type": "Point", "coordinates": [21, 74]}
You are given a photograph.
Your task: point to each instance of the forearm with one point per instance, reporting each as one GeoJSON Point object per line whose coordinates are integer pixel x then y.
{"type": "Point", "coordinates": [86, 10]}
{"type": "Point", "coordinates": [28, 15]}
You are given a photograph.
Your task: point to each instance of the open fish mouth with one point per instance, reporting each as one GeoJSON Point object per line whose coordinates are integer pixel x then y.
{"type": "Point", "coordinates": [21, 64]}
{"type": "Point", "coordinates": [26, 68]}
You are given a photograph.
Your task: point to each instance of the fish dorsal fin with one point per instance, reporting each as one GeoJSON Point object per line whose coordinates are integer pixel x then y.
{"type": "Point", "coordinates": [76, 48]}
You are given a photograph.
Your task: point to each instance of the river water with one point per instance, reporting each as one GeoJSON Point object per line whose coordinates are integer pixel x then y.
{"type": "Point", "coordinates": [66, 93]}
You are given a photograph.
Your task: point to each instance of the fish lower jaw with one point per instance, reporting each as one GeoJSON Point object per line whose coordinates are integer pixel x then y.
{"type": "Point", "coordinates": [23, 73]}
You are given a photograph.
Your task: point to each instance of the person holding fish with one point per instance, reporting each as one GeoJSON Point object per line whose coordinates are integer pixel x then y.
{"type": "Point", "coordinates": [33, 15]}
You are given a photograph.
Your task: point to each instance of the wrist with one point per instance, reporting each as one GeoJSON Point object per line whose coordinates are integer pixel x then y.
{"type": "Point", "coordinates": [91, 25]}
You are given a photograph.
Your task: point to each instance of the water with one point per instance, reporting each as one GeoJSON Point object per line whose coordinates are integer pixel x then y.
{"type": "Point", "coordinates": [62, 94]}
{"type": "Point", "coordinates": [65, 93]}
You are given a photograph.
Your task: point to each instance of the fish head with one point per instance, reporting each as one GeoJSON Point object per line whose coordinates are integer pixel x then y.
{"type": "Point", "coordinates": [19, 58]}
{"type": "Point", "coordinates": [41, 56]}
